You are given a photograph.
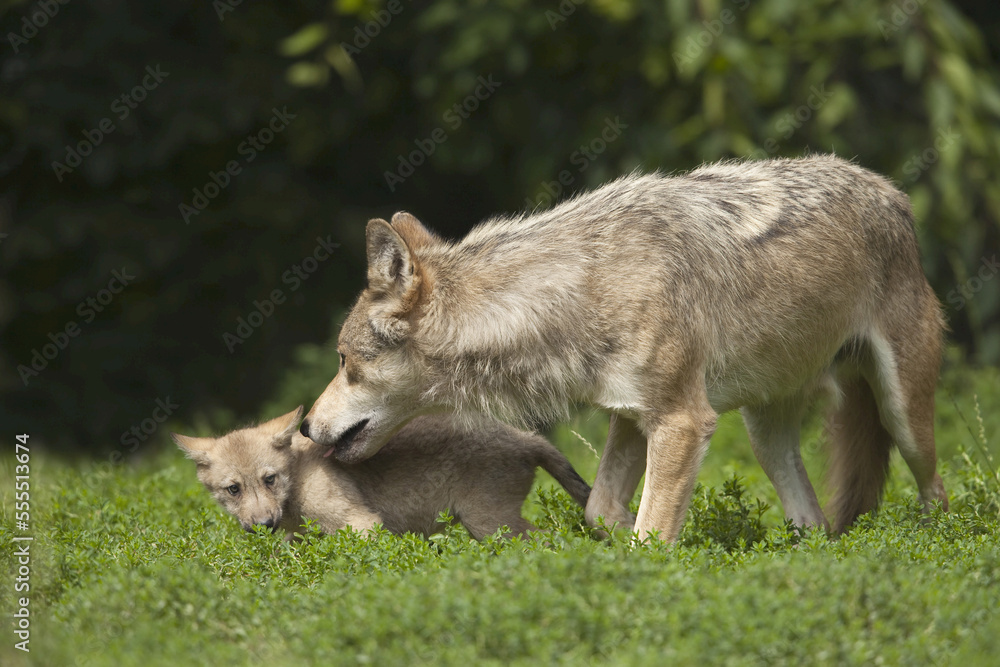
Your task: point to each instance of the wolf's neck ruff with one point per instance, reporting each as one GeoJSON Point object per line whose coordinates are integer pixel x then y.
{"type": "Point", "coordinates": [498, 318]}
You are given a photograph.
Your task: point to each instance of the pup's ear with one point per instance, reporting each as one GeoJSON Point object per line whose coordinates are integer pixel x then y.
{"type": "Point", "coordinates": [196, 449]}
{"type": "Point", "coordinates": [281, 429]}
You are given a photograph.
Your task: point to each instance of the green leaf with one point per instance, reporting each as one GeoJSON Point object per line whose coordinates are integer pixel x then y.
{"type": "Point", "coordinates": [304, 40]}
{"type": "Point", "coordinates": [957, 73]}
{"type": "Point", "coordinates": [914, 56]}
{"type": "Point", "coordinates": [307, 74]}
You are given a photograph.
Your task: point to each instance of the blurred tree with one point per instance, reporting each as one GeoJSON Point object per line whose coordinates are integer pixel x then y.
{"type": "Point", "coordinates": [452, 110]}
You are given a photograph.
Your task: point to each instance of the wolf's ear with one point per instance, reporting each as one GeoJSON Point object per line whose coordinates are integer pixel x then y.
{"type": "Point", "coordinates": [413, 232]}
{"type": "Point", "coordinates": [390, 262]}
{"type": "Point", "coordinates": [196, 449]}
{"type": "Point", "coordinates": [393, 275]}
{"type": "Point", "coordinates": [281, 429]}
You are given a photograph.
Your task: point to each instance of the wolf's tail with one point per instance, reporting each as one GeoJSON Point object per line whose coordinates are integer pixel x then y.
{"type": "Point", "coordinates": [860, 454]}
{"type": "Point", "coordinates": [553, 462]}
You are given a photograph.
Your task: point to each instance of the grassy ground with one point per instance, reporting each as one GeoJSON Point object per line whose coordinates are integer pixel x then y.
{"type": "Point", "coordinates": [137, 566]}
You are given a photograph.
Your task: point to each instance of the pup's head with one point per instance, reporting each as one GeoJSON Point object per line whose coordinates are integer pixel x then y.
{"type": "Point", "coordinates": [377, 388]}
{"type": "Point", "coordinates": [248, 471]}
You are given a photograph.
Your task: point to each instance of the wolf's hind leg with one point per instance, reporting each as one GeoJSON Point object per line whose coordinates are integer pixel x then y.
{"type": "Point", "coordinates": [859, 456]}
{"type": "Point", "coordinates": [903, 378]}
{"type": "Point", "coordinates": [774, 436]}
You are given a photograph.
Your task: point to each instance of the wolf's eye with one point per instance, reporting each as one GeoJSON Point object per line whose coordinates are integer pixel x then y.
{"type": "Point", "coordinates": [343, 360]}
{"type": "Point", "coordinates": [234, 489]}
{"type": "Point", "coordinates": [269, 480]}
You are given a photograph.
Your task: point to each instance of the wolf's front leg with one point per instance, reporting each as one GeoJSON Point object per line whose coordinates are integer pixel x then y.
{"type": "Point", "coordinates": [618, 474]}
{"type": "Point", "coordinates": [774, 436]}
{"type": "Point", "coordinates": [677, 444]}
{"type": "Point", "coordinates": [362, 520]}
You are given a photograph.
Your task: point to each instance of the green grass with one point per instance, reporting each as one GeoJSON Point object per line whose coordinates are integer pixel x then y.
{"type": "Point", "coordinates": [137, 566]}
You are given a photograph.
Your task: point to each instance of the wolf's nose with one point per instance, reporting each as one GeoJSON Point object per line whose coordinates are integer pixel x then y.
{"type": "Point", "coordinates": [304, 429]}
{"type": "Point", "coordinates": [269, 522]}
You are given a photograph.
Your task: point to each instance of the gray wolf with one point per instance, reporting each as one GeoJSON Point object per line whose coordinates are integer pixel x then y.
{"type": "Point", "coordinates": [666, 301]}
{"type": "Point", "coordinates": [272, 476]}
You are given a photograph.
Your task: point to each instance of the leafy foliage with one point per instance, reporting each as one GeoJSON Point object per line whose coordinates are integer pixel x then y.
{"type": "Point", "coordinates": [139, 566]}
{"type": "Point", "coordinates": [724, 518]}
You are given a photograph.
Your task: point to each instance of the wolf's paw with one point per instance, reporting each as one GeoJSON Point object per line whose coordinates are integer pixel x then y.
{"type": "Point", "coordinates": [618, 520]}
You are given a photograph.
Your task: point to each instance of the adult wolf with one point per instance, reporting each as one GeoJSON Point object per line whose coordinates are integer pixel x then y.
{"type": "Point", "coordinates": [666, 301]}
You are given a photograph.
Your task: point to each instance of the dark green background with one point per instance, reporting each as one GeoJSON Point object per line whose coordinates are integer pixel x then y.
{"type": "Point", "coordinates": [687, 82]}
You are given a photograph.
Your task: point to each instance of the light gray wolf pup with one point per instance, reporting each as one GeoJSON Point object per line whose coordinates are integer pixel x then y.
{"type": "Point", "coordinates": [270, 475]}
{"type": "Point", "coordinates": [666, 301]}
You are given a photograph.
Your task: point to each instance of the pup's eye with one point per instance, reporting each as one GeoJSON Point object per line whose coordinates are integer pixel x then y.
{"type": "Point", "coordinates": [343, 360]}
{"type": "Point", "coordinates": [269, 480]}
{"type": "Point", "coordinates": [234, 489]}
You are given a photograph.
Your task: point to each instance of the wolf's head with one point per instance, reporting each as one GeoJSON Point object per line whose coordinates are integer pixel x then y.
{"type": "Point", "coordinates": [377, 388]}
{"type": "Point", "coordinates": [249, 470]}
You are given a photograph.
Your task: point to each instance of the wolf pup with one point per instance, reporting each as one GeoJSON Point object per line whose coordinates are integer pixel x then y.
{"type": "Point", "coordinates": [269, 475]}
{"type": "Point", "coordinates": [666, 301]}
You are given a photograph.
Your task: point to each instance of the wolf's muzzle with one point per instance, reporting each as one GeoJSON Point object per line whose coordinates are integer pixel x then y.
{"type": "Point", "coordinates": [345, 440]}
